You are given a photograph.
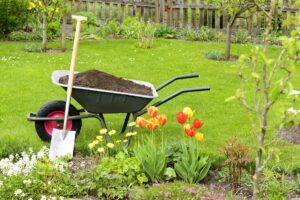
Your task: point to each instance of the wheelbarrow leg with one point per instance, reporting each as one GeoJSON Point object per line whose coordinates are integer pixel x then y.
{"type": "Point", "coordinates": [134, 116]}
{"type": "Point", "coordinates": [103, 125]}
{"type": "Point", "coordinates": [125, 123]}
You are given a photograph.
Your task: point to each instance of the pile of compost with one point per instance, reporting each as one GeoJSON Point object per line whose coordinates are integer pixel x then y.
{"type": "Point", "coordinates": [101, 80]}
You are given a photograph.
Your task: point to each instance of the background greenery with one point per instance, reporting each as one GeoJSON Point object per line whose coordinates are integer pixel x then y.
{"type": "Point", "coordinates": [26, 86]}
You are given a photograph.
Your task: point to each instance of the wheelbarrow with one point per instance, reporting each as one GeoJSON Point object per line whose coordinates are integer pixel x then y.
{"type": "Point", "coordinates": [96, 103]}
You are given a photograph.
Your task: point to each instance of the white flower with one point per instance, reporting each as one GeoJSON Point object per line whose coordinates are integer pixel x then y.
{"type": "Point", "coordinates": [294, 92]}
{"type": "Point", "coordinates": [112, 132]}
{"type": "Point", "coordinates": [27, 182]}
{"type": "Point", "coordinates": [43, 197]}
{"type": "Point", "coordinates": [1, 183]}
{"type": "Point", "coordinates": [18, 192]}
{"type": "Point", "coordinates": [30, 199]}
{"type": "Point", "coordinates": [292, 110]}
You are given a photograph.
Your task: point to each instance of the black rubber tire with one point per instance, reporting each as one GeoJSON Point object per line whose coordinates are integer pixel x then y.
{"type": "Point", "coordinates": [49, 107]}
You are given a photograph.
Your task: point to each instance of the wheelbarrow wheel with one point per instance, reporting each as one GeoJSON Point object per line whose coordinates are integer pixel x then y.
{"type": "Point", "coordinates": [55, 109]}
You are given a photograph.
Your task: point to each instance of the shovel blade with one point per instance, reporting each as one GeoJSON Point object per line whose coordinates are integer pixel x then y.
{"type": "Point", "coordinates": [62, 144]}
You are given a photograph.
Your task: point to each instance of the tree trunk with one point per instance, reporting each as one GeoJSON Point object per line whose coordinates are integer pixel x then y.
{"type": "Point", "coordinates": [44, 30]}
{"type": "Point", "coordinates": [228, 37]}
{"type": "Point", "coordinates": [64, 29]}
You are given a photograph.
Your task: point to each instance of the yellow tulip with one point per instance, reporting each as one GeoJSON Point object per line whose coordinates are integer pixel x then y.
{"type": "Point", "coordinates": [103, 131]}
{"type": "Point", "coordinates": [91, 145]}
{"type": "Point", "coordinates": [199, 137]}
{"type": "Point", "coordinates": [110, 145]}
{"type": "Point", "coordinates": [100, 138]}
{"type": "Point", "coordinates": [112, 132]}
{"type": "Point", "coordinates": [101, 150]}
{"type": "Point", "coordinates": [188, 111]}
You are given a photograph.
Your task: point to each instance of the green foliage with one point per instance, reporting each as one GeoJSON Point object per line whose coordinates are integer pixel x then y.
{"type": "Point", "coordinates": [112, 29]}
{"type": "Point", "coordinates": [153, 159]}
{"type": "Point", "coordinates": [297, 184]}
{"type": "Point", "coordinates": [192, 166]}
{"type": "Point", "coordinates": [114, 176]}
{"type": "Point", "coordinates": [204, 34]}
{"type": "Point", "coordinates": [23, 36]}
{"type": "Point", "coordinates": [241, 36]}
{"type": "Point", "coordinates": [214, 55]}
{"type": "Point", "coordinates": [172, 190]}
{"type": "Point", "coordinates": [238, 156]}
{"type": "Point", "coordinates": [274, 185]}
{"type": "Point", "coordinates": [92, 19]}
{"type": "Point", "coordinates": [32, 48]}
{"type": "Point", "coordinates": [53, 30]}
{"type": "Point", "coordinates": [145, 34]}
{"type": "Point", "coordinates": [129, 27]}
{"type": "Point", "coordinates": [13, 15]}
{"type": "Point", "coordinates": [165, 31]}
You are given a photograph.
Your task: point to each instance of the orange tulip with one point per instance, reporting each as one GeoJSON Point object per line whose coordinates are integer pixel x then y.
{"type": "Point", "coordinates": [152, 111]}
{"type": "Point", "coordinates": [141, 122]}
{"type": "Point", "coordinates": [190, 131]}
{"type": "Point", "coordinates": [162, 119]}
{"type": "Point", "coordinates": [151, 126]}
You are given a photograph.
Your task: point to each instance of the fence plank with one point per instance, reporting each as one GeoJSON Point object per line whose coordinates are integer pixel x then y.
{"type": "Point", "coordinates": [217, 20]}
{"type": "Point", "coordinates": [193, 12]}
{"type": "Point", "coordinates": [209, 17]}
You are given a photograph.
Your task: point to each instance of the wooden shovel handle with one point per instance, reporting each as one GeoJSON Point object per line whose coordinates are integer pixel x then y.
{"type": "Point", "coordinates": [79, 19]}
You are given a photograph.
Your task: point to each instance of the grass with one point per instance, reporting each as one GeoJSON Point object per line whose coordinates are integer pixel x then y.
{"type": "Point", "coordinates": [26, 86]}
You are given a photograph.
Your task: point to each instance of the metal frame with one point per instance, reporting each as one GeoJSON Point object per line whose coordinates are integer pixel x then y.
{"type": "Point", "coordinates": [100, 116]}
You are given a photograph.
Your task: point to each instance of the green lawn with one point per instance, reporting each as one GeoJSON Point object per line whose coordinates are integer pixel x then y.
{"type": "Point", "coordinates": [26, 86]}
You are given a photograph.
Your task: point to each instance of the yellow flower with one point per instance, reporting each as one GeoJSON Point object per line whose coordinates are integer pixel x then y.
{"type": "Point", "coordinates": [101, 150]}
{"type": "Point", "coordinates": [188, 111]}
{"type": "Point", "coordinates": [96, 142]}
{"type": "Point", "coordinates": [134, 133]}
{"type": "Point", "coordinates": [100, 138]}
{"type": "Point", "coordinates": [91, 145]}
{"type": "Point", "coordinates": [110, 145]}
{"type": "Point", "coordinates": [118, 141]}
{"type": "Point", "coordinates": [199, 137]}
{"type": "Point", "coordinates": [131, 124]}
{"type": "Point", "coordinates": [125, 141]}
{"type": "Point", "coordinates": [103, 131]}
{"type": "Point", "coordinates": [112, 132]}
{"type": "Point", "coordinates": [128, 134]}
{"type": "Point", "coordinates": [31, 6]}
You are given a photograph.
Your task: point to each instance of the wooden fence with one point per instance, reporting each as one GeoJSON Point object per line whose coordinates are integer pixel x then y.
{"type": "Point", "coordinates": [180, 13]}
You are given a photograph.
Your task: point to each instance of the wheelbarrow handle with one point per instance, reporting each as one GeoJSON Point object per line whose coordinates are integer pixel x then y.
{"type": "Point", "coordinates": [172, 96]}
{"type": "Point", "coordinates": [176, 78]}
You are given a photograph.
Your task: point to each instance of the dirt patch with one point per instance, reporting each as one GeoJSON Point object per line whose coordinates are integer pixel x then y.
{"type": "Point", "coordinates": [291, 135]}
{"type": "Point", "coordinates": [82, 163]}
{"type": "Point", "coordinates": [101, 80]}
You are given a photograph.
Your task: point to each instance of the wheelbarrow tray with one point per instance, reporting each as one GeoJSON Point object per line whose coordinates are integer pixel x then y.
{"type": "Point", "coordinates": [106, 101]}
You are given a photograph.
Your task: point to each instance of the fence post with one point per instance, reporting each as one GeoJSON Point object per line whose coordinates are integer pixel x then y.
{"type": "Point", "coordinates": [157, 11]}
{"type": "Point", "coordinates": [201, 21]}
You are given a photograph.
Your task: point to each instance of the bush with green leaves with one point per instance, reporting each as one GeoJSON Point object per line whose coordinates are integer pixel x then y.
{"type": "Point", "coordinates": [114, 176]}
{"type": "Point", "coordinates": [128, 27]}
{"type": "Point", "coordinates": [23, 36]}
{"type": "Point", "coordinates": [145, 34]}
{"type": "Point", "coordinates": [165, 31]}
{"type": "Point", "coordinates": [32, 48]}
{"type": "Point", "coordinates": [192, 165]}
{"type": "Point", "coordinates": [274, 185]}
{"type": "Point", "coordinates": [154, 159]}
{"type": "Point", "coordinates": [13, 15]}
{"type": "Point", "coordinates": [214, 55]}
{"type": "Point", "coordinates": [241, 36]}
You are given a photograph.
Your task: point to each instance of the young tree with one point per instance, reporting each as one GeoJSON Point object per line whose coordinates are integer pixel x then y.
{"type": "Point", "coordinates": [234, 9]}
{"type": "Point", "coordinates": [64, 27]}
{"type": "Point", "coordinates": [270, 80]}
{"type": "Point", "coordinates": [47, 11]}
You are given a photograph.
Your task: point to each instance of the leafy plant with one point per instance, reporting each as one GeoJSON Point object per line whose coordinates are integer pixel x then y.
{"type": "Point", "coordinates": [145, 34]}
{"type": "Point", "coordinates": [32, 48]}
{"type": "Point", "coordinates": [13, 15]}
{"type": "Point", "coordinates": [297, 184]}
{"type": "Point", "coordinates": [153, 159]}
{"type": "Point", "coordinates": [274, 185]}
{"type": "Point", "coordinates": [112, 29]}
{"type": "Point", "coordinates": [241, 36]}
{"type": "Point", "coordinates": [23, 36]}
{"type": "Point", "coordinates": [165, 31]}
{"type": "Point", "coordinates": [238, 156]}
{"type": "Point", "coordinates": [114, 176]}
{"type": "Point", "coordinates": [214, 55]}
{"type": "Point", "coordinates": [192, 166]}
{"type": "Point", "coordinates": [129, 27]}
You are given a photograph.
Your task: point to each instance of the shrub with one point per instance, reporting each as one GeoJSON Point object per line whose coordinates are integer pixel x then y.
{"type": "Point", "coordinates": [23, 36]}
{"type": "Point", "coordinates": [129, 27]}
{"type": "Point", "coordinates": [114, 176]}
{"type": "Point", "coordinates": [145, 34]}
{"type": "Point", "coordinates": [241, 36]}
{"type": "Point", "coordinates": [32, 48]}
{"type": "Point", "coordinates": [214, 55]}
{"type": "Point", "coordinates": [164, 31]}
{"type": "Point", "coordinates": [192, 166]}
{"type": "Point", "coordinates": [53, 30]}
{"type": "Point", "coordinates": [112, 29]}
{"type": "Point", "coordinates": [13, 15]}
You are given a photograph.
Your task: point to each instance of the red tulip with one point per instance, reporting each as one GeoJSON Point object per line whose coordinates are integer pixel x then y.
{"type": "Point", "coordinates": [141, 122]}
{"type": "Point", "coordinates": [190, 131]}
{"type": "Point", "coordinates": [181, 117]}
{"type": "Point", "coordinates": [162, 119]}
{"type": "Point", "coordinates": [197, 124]}
{"type": "Point", "coordinates": [152, 111]}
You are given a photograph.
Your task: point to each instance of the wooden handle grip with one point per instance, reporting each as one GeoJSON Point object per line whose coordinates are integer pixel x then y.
{"type": "Point", "coordinates": [79, 18]}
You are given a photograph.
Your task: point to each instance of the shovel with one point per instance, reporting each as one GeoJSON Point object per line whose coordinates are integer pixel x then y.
{"type": "Point", "coordinates": [62, 141]}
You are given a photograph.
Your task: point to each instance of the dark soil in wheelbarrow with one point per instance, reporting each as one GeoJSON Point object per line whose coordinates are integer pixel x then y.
{"type": "Point", "coordinates": [101, 80]}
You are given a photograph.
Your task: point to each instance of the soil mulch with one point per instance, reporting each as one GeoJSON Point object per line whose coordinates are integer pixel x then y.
{"type": "Point", "coordinates": [101, 80]}
{"type": "Point", "coordinates": [291, 135]}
